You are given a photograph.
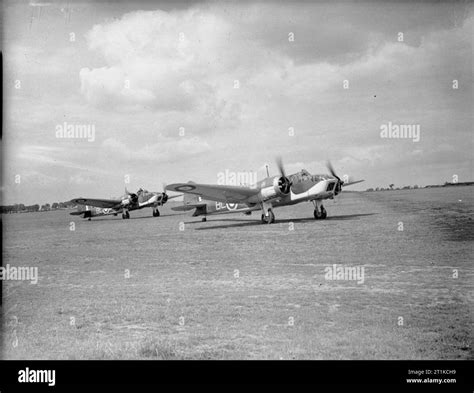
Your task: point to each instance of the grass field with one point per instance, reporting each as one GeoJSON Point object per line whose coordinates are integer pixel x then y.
{"type": "Point", "coordinates": [232, 288]}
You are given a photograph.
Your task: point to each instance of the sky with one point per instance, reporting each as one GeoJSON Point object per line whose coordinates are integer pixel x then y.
{"type": "Point", "coordinates": [179, 91]}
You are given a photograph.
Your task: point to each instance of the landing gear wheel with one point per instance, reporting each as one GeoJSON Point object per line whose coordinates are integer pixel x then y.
{"type": "Point", "coordinates": [156, 213]}
{"type": "Point", "coordinates": [324, 213]}
{"type": "Point", "coordinates": [270, 219]}
{"type": "Point", "coordinates": [204, 219]}
{"type": "Point", "coordinates": [126, 215]}
{"type": "Point", "coordinates": [317, 214]}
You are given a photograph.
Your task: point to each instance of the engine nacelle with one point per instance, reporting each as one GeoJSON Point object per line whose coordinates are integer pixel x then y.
{"type": "Point", "coordinates": [132, 200]}
{"type": "Point", "coordinates": [279, 188]}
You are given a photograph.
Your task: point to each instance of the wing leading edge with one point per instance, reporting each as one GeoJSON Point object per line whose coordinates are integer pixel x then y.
{"type": "Point", "coordinates": [220, 193]}
{"type": "Point", "coordinates": [103, 203]}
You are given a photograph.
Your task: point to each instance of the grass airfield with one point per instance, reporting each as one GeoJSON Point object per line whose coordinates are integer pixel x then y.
{"type": "Point", "coordinates": [174, 287]}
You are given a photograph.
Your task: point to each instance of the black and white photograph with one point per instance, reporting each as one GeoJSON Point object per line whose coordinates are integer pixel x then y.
{"type": "Point", "coordinates": [237, 181]}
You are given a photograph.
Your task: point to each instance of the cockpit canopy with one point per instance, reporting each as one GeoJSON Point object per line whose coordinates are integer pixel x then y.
{"type": "Point", "coordinates": [304, 175]}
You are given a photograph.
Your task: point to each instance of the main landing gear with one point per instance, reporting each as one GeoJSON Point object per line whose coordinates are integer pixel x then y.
{"type": "Point", "coordinates": [320, 212]}
{"type": "Point", "coordinates": [204, 219]}
{"type": "Point", "coordinates": [267, 213]}
{"type": "Point", "coordinates": [156, 213]}
{"type": "Point", "coordinates": [126, 215]}
{"type": "Point", "coordinates": [269, 219]}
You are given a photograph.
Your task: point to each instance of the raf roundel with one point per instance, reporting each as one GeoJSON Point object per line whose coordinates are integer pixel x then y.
{"type": "Point", "coordinates": [185, 188]}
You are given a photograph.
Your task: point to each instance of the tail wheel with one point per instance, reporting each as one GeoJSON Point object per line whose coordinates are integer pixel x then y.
{"type": "Point", "coordinates": [156, 213]}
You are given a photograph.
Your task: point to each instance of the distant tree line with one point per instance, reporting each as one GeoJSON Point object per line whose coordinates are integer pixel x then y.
{"type": "Point", "coordinates": [21, 208]}
{"type": "Point", "coordinates": [446, 184]}
{"type": "Point", "coordinates": [392, 188]}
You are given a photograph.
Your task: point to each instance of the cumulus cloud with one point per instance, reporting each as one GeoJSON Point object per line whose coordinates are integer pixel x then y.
{"type": "Point", "coordinates": [158, 60]}
{"type": "Point", "coordinates": [164, 150]}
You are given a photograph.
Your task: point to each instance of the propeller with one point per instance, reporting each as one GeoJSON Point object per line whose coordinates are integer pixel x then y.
{"type": "Point", "coordinates": [133, 197]}
{"type": "Point", "coordinates": [281, 169]}
{"type": "Point", "coordinates": [283, 182]}
{"type": "Point", "coordinates": [339, 183]}
{"type": "Point", "coordinates": [164, 196]}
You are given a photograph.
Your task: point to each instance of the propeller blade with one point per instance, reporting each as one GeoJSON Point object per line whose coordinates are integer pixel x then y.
{"type": "Point", "coordinates": [279, 163]}
{"type": "Point", "coordinates": [332, 171]}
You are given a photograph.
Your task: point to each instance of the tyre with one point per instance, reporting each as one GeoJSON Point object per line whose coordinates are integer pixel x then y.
{"type": "Point", "coordinates": [270, 219]}
{"type": "Point", "coordinates": [324, 213]}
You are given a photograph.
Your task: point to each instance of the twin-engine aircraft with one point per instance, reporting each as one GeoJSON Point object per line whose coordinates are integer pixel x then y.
{"type": "Point", "coordinates": [128, 202]}
{"type": "Point", "coordinates": [265, 195]}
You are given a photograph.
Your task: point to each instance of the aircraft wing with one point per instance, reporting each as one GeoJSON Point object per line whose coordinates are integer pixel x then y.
{"type": "Point", "coordinates": [215, 192]}
{"type": "Point", "coordinates": [103, 203]}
